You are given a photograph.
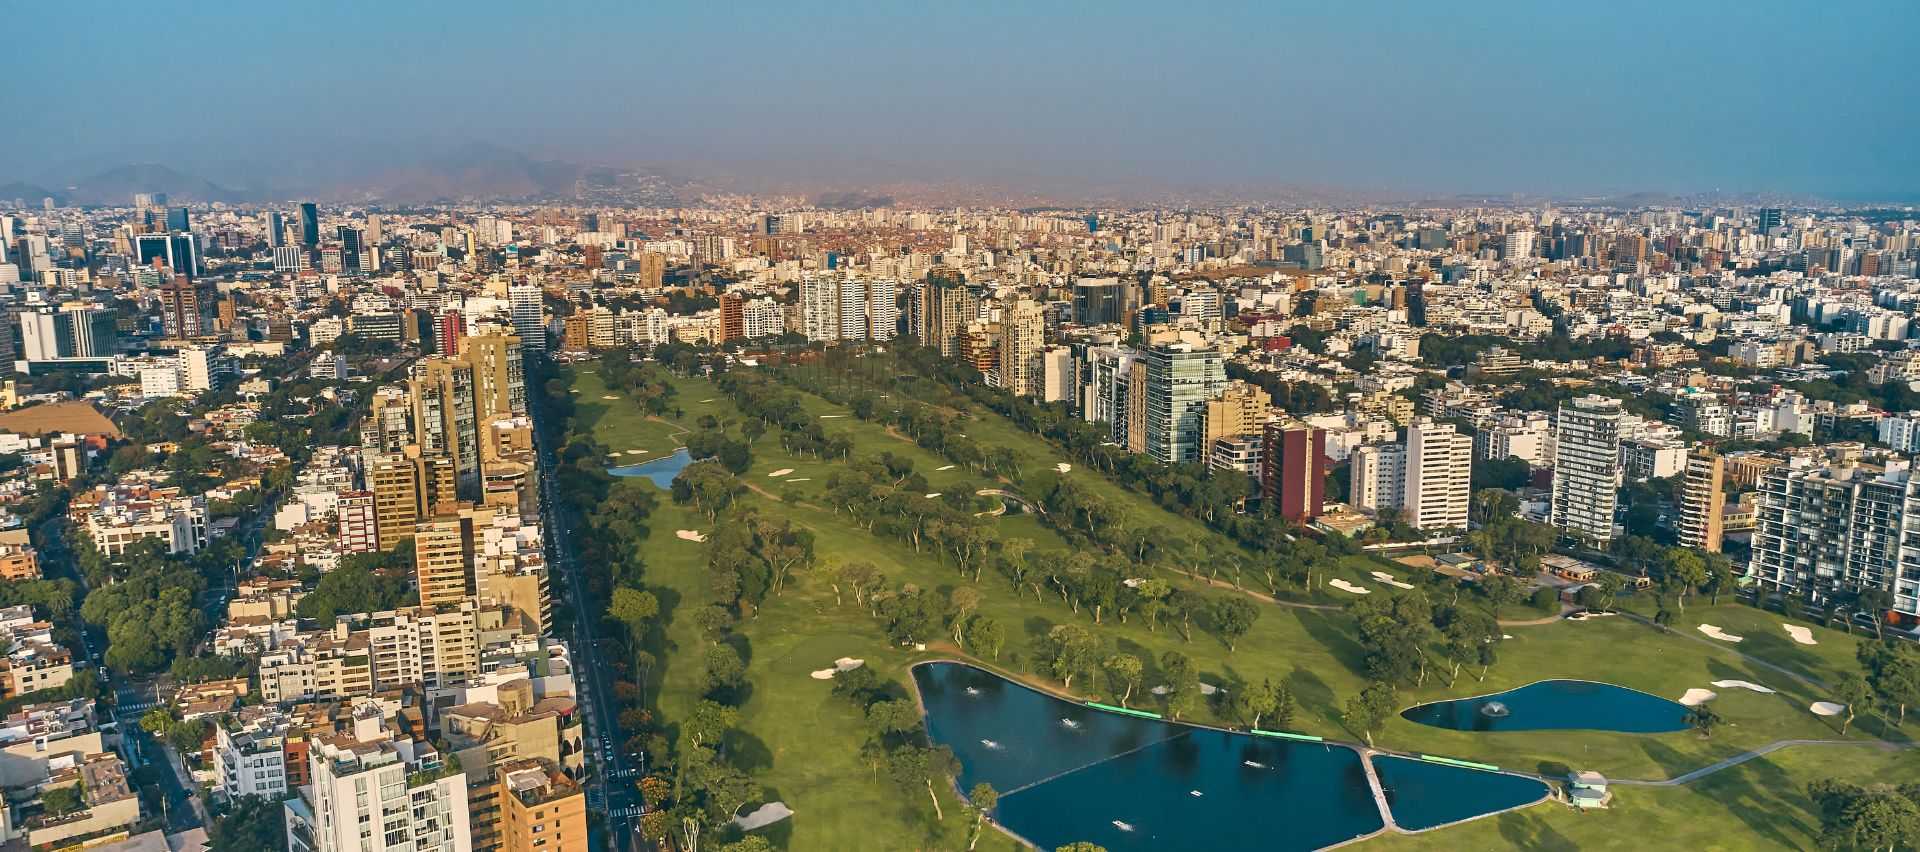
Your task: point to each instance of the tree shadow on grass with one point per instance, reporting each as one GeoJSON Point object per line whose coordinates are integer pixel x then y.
{"type": "Point", "coordinates": [1332, 632]}
{"type": "Point", "coordinates": [1761, 795]}
{"type": "Point", "coordinates": [1526, 831]}
{"type": "Point", "coordinates": [1311, 694]}
{"type": "Point", "coordinates": [749, 752]}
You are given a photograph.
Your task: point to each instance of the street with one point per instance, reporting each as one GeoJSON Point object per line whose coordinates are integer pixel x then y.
{"type": "Point", "coordinates": [611, 790]}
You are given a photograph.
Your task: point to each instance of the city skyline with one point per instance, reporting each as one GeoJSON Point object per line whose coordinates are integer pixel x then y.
{"type": "Point", "coordinates": [1073, 102]}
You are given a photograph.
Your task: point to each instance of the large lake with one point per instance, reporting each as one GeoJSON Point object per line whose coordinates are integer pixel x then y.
{"type": "Point", "coordinates": [1066, 772]}
{"type": "Point", "coordinates": [1556, 705]}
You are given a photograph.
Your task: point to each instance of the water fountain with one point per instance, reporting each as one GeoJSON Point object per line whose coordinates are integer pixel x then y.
{"type": "Point", "coordinates": [1494, 710]}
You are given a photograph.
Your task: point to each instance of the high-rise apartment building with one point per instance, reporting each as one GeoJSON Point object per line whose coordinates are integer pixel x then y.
{"type": "Point", "coordinates": [1827, 530]}
{"type": "Point", "coordinates": [1293, 470]}
{"type": "Point", "coordinates": [820, 307]}
{"type": "Point", "coordinates": [1239, 409]}
{"type": "Point", "coordinates": [499, 373]}
{"type": "Point", "coordinates": [445, 422]}
{"type": "Point", "coordinates": [938, 310]}
{"type": "Point", "coordinates": [185, 308]}
{"type": "Point", "coordinates": [1586, 470]}
{"type": "Point", "coordinates": [529, 315]}
{"type": "Point", "coordinates": [1181, 378]}
{"type": "Point", "coordinates": [1439, 464]}
{"type": "Point", "coordinates": [443, 557]}
{"type": "Point", "coordinates": [1376, 475]}
{"type": "Point", "coordinates": [399, 496]}
{"type": "Point", "coordinates": [1703, 501]}
{"type": "Point", "coordinates": [1023, 331]}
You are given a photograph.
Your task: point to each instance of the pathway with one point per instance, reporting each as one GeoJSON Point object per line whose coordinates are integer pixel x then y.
{"type": "Point", "coordinates": [1743, 757]}
{"type": "Point", "coordinates": [1379, 793]}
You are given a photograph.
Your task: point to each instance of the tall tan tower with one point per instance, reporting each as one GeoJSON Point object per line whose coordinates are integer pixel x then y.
{"type": "Point", "coordinates": [1703, 500]}
{"type": "Point", "coordinates": [399, 498]}
{"type": "Point", "coordinates": [1023, 331]}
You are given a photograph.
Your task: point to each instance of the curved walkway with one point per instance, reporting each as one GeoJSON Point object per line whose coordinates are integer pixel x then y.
{"type": "Point", "coordinates": [1004, 494]}
{"type": "Point", "coordinates": [1762, 751]}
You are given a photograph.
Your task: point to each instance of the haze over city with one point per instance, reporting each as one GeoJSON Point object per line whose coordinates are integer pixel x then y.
{"type": "Point", "coordinates": [1080, 101]}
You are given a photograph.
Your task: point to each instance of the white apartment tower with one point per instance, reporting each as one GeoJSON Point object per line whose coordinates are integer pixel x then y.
{"type": "Point", "coordinates": [1439, 464]}
{"type": "Point", "coordinates": [1586, 471]}
{"type": "Point", "coordinates": [529, 320]}
{"type": "Point", "coordinates": [1376, 476]}
{"type": "Point", "coordinates": [362, 798]}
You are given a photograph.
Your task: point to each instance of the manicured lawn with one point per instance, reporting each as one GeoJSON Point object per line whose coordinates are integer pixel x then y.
{"type": "Point", "coordinates": [804, 744]}
{"type": "Point", "coordinates": [1761, 804]}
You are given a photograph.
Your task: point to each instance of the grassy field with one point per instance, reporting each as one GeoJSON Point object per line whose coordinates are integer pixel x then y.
{"type": "Point", "coordinates": [804, 744]}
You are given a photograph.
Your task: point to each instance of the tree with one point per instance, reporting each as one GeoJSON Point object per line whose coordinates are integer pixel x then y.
{"type": "Point", "coordinates": [961, 602]}
{"type": "Point", "coordinates": [1367, 712]}
{"type": "Point", "coordinates": [888, 719]}
{"type": "Point", "coordinates": [724, 669]}
{"type": "Point", "coordinates": [1683, 571]}
{"type": "Point", "coordinates": [1853, 691]}
{"type": "Point", "coordinates": [914, 765]}
{"type": "Point", "coordinates": [61, 801]}
{"type": "Point", "coordinates": [983, 798]}
{"type": "Point", "coordinates": [986, 636]}
{"type": "Point", "coordinates": [1232, 618]}
{"type": "Point", "coordinates": [1124, 672]}
{"type": "Point", "coordinates": [1501, 591]}
{"type": "Point", "coordinates": [1071, 650]}
{"type": "Point", "coordinates": [1253, 702]}
{"type": "Point", "coordinates": [1720, 577]}
{"type": "Point", "coordinates": [1080, 846]}
{"type": "Point", "coordinates": [750, 843]}
{"type": "Point", "coordinates": [250, 823]}
{"type": "Point", "coordinates": [1702, 718]}
{"type": "Point", "coordinates": [709, 723]}
{"type": "Point", "coordinates": [634, 608]}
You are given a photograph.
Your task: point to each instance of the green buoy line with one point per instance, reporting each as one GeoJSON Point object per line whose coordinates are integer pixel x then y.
{"type": "Point", "coordinates": [1308, 738]}
{"type": "Point", "coordinates": [1461, 763]}
{"type": "Point", "coordinates": [1126, 710]}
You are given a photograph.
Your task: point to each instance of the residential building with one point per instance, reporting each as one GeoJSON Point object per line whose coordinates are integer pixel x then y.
{"type": "Point", "coordinates": [1703, 499]}
{"type": "Point", "coordinates": [1586, 466]}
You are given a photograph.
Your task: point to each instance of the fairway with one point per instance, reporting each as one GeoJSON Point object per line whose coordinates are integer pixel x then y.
{"type": "Point", "coordinates": [804, 745]}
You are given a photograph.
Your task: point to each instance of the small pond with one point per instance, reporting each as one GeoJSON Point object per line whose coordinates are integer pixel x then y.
{"type": "Point", "coordinates": [1066, 772]}
{"type": "Point", "coordinates": [1556, 705]}
{"type": "Point", "coordinates": [661, 470]}
{"type": "Point", "coordinates": [1424, 795]}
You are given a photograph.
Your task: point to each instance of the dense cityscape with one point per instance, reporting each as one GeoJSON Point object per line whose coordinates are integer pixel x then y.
{"type": "Point", "coordinates": [982, 427]}
{"type": "Point", "coordinates": [508, 508]}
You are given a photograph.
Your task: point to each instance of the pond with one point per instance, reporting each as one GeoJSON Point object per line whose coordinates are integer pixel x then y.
{"type": "Point", "coordinates": [661, 470]}
{"type": "Point", "coordinates": [1556, 705]}
{"type": "Point", "coordinates": [1424, 795]}
{"type": "Point", "coordinates": [1067, 772]}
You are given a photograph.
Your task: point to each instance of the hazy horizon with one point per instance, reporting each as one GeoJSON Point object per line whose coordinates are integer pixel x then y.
{"type": "Point", "coordinates": [1506, 97]}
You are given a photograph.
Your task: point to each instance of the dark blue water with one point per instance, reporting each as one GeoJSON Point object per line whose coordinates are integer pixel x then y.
{"type": "Point", "coordinates": [1558, 705]}
{"type": "Point", "coordinates": [1067, 773]}
{"type": "Point", "coordinates": [1424, 795]}
{"type": "Point", "coordinates": [661, 470]}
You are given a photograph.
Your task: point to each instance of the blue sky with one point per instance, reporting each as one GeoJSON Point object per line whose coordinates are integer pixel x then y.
{"type": "Point", "coordinates": [1535, 97]}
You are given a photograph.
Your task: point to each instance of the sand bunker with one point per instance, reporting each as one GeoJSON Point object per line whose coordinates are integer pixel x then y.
{"type": "Point", "coordinates": [1742, 684]}
{"type": "Point", "coordinates": [609, 396]}
{"type": "Point", "coordinates": [1063, 467]}
{"type": "Point", "coordinates": [1583, 616]}
{"type": "Point", "coordinates": [1802, 635]}
{"type": "Point", "coordinates": [781, 472]}
{"type": "Point", "coordinates": [1696, 697]}
{"type": "Point", "coordinates": [847, 664]}
{"type": "Point", "coordinates": [823, 674]}
{"type": "Point", "coordinates": [689, 535]}
{"type": "Point", "coordinates": [1826, 708]}
{"type": "Point", "coordinates": [1345, 586]}
{"type": "Point", "coordinates": [801, 479]}
{"type": "Point", "coordinates": [933, 495]}
{"type": "Point", "coordinates": [615, 454]}
{"type": "Point", "coordinates": [706, 400]}
{"type": "Point", "coordinates": [1389, 579]}
{"type": "Point", "coordinates": [948, 467]}
{"type": "Point", "coordinates": [831, 416]}
{"type": "Point", "coordinates": [1506, 636]}
{"type": "Point", "coordinates": [1722, 635]}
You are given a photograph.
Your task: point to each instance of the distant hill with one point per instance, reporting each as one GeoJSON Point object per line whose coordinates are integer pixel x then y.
{"type": "Point", "coordinates": [29, 193]}
{"type": "Point", "coordinates": [117, 186]}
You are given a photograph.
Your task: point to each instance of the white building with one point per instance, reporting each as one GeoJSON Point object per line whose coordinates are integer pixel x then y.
{"type": "Point", "coordinates": [1376, 476]}
{"type": "Point", "coordinates": [366, 797]}
{"type": "Point", "coordinates": [1439, 465]}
